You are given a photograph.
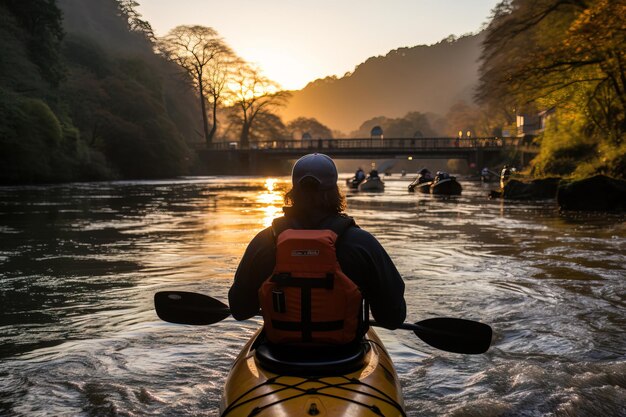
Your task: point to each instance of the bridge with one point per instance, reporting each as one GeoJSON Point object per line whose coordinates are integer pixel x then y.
{"type": "Point", "coordinates": [271, 156]}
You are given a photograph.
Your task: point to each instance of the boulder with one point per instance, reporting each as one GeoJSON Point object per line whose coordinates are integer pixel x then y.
{"type": "Point", "coordinates": [539, 189]}
{"type": "Point", "coordinates": [598, 193]}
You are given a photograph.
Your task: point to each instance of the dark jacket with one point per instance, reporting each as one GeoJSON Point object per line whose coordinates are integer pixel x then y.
{"type": "Point", "coordinates": [360, 255]}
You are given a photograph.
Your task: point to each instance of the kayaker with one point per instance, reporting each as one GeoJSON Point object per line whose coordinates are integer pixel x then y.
{"type": "Point", "coordinates": [359, 175]}
{"type": "Point", "coordinates": [425, 175]}
{"type": "Point", "coordinates": [314, 203]}
{"type": "Point", "coordinates": [505, 174]}
{"type": "Point", "coordinates": [441, 175]}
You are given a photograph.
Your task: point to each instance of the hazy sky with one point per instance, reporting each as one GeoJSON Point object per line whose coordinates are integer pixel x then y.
{"type": "Point", "coordinates": [297, 41]}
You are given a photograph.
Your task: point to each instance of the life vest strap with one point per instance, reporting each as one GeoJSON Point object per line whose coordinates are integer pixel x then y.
{"type": "Point", "coordinates": [319, 326]}
{"type": "Point", "coordinates": [285, 279]}
{"type": "Point", "coordinates": [337, 223]}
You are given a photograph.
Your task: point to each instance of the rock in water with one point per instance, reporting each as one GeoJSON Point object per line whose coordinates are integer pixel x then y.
{"type": "Point", "coordinates": [598, 193]}
{"type": "Point", "coordinates": [539, 189]}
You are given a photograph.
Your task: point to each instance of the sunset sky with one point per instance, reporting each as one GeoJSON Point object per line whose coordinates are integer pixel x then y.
{"type": "Point", "coordinates": [297, 41]}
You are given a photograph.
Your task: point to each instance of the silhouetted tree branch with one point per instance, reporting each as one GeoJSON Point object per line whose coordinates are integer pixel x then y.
{"type": "Point", "coordinates": [254, 94]}
{"type": "Point", "coordinates": [205, 58]}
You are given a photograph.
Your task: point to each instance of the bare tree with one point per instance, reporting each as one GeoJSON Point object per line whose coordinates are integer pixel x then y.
{"type": "Point", "coordinates": [254, 94]}
{"type": "Point", "coordinates": [206, 58]}
{"type": "Point", "coordinates": [218, 73]}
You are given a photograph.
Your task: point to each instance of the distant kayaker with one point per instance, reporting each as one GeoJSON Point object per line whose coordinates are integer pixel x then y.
{"type": "Point", "coordinates": [359, 175]}
{"type": "Point", "coordinates": [315, 204]}
{"type": "Point", "coordinates": [425, 175]}
{"type": "Point", "coordinates": [373, 174]}
{"type": "Point", "coordinates": [505, 174]}
{"type": "Point", "coordinates": [485, 175]}
{"type": "Point", "coordinates": [441, 175]}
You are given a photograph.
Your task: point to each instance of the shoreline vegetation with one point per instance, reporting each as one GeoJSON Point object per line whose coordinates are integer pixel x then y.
{"type": "Point", "coordinates": [88, 93]}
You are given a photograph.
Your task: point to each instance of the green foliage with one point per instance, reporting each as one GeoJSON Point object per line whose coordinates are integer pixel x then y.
{"type": "Point", "coordinates": [127, 122]}
{"type": "Point", "coordinates": [17, 71]}
{"type": "Point", "coordinates": [568, 149]}
{"type": "Point", "coordinates": [137, 70]}
{"type": "Point", "coordinates": [564, 55]}
{"type": "Point", "coordinates": [40, 122]}
{"type": "Point", "coordinates": [562, 143]}
{"type": "Point", "coordinates": [106, 119]}
{"type": "Point", "coordinates": [34, 145]}
{"type": "Point", "coordinates": [42, 22]}
{"type": "Point", "coordinates": [83, 52]}
{"type": "Point", "coordinates": [609, 161]}
{"type": "Point", "coordinates": [144, 149]}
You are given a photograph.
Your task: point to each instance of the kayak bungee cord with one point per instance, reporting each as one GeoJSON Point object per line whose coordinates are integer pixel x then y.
{"type": "Point", "coordinates": [342, 386]}
{"type": "Point", "coordinates": [314, 391]}
{"type": "Point", "coordinates": [346, 385]}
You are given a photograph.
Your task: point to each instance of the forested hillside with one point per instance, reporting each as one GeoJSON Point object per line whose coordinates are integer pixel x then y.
{"type": "Point", "coordinates": [83, 96]}
{"type": "Point", "coordinates": [425, 79]}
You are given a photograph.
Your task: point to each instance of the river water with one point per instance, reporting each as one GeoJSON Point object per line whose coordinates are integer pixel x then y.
{"type": "Point", "coordinates": [79, 264]}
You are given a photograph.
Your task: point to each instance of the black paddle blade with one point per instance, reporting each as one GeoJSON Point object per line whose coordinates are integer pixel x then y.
{"type": "Point", "coordinates": [184, 307]}
{"type": "Point", "coordinates": [454, 335]}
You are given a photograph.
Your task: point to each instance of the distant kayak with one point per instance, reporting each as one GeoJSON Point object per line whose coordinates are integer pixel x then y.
{"type": "Point", "coordinates": [372, 184]}
{"type": "Point", "coordinates": [447, 186]}
{"type": "Point", "coordinates": [442, 184]}
{"type": "Point", "coordinates": [339, 381]}
{"type": "Point", "coordinates": [353, 183]}
{"type": "Point", "coordinates": [421, 184]}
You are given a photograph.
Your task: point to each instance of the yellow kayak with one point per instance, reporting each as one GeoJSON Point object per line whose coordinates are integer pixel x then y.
{"type": "Point", "coordinates": [347, 382]}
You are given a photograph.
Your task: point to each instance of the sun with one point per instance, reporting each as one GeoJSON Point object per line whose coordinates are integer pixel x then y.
{"type": "Point", "coordinates": [289, 71]}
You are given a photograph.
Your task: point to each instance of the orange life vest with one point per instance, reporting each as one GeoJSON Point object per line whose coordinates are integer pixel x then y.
{"type": "Point", "coordinates": [308, 299]}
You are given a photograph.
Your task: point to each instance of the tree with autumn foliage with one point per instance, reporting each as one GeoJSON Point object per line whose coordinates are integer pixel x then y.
{"type": "Point", "coordinates": [566, 56]}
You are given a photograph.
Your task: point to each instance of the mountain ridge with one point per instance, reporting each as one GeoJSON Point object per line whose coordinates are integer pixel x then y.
{"type": "Point", "coordinates": [422, 78]}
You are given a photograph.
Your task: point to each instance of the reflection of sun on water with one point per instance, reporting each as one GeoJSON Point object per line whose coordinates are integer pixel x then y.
{"type": "Point", "coordinates": [271, 201]}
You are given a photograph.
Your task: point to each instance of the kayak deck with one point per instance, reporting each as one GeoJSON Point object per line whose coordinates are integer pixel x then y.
{"type": "Point", "coordinates": [371, 390]}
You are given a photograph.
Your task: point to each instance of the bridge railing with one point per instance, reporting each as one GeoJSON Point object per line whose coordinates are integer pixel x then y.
{"type": "Point", "coordinates": [374, 143]}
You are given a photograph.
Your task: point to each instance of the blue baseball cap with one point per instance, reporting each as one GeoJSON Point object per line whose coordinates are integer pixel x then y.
{"type": "Point", "coordinates": [317, 166]}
